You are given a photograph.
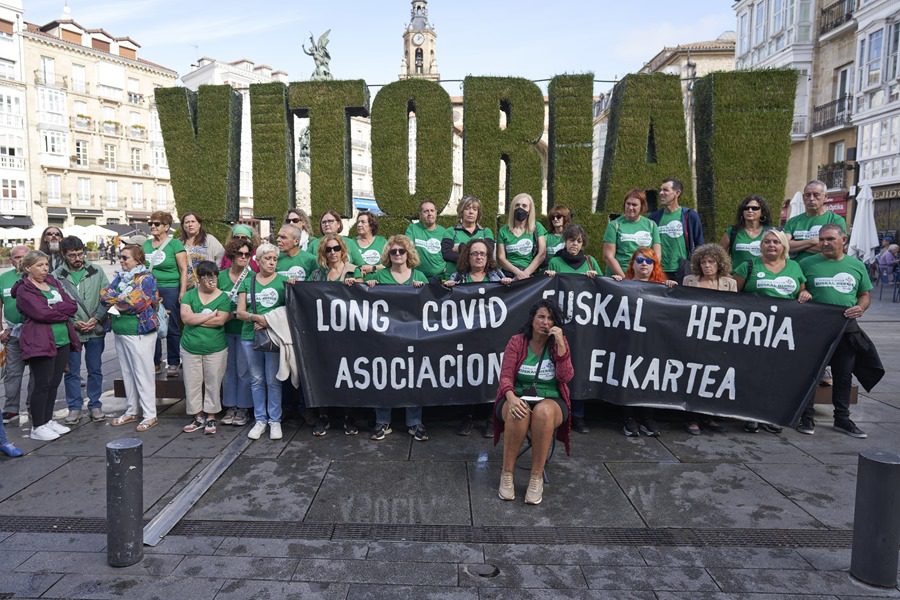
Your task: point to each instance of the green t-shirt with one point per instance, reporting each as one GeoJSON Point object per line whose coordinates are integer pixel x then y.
{"type": "Point", "coordinates": [428, 245]}
{"type": "Point", "coordinates": [162, 263]}
{"type": "Point", "coordinates": [763, 282]}
{"type": "Point", "coordinates": [352, 250]}
{"type": "Point", "coordinates": [745, 247]}
{"type": "Point", "coordinates": [671, 237]}
{"type": "Point", "coordinates": [371, 254]}
{"type": "Point", "coordinates": [60, 330]}
{"type": "Point", "coordinates": [384, 276]}
{"type": "Point", "coordinates": [628, 236]}
{"type": "Point", "coordinates": [520, 249]}
{"type": "Point", "coordinates": [268, 297]}
{"type": "Point", "coordinates": [299, 267]}
{"type": "Point", "coordinates": [233, 326]}
{"type": "Point", "coordinates": [836, 282]}
{"type": "Point", "coordinates": [10, 312]}
{"type": "Point", "coordinates": [560, 266]}
{"type": "Point", "coordinates": [555, 243]}
{"type": "Point", "coordinates": [458, 235]}
{"type": "Point", "coordinates": [544, 383]}
{"type": "Point", "coordinates": [199, 339]}
{"type": "Point", "coordinates": [804, 227]}
{"type": "Point", "coordinates": [77, 276]}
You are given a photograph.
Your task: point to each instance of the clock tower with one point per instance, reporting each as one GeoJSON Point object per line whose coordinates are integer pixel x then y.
{"type": "Point", "coordinates": [419, 59]}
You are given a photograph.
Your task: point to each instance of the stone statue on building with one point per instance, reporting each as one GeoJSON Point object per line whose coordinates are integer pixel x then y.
{"type": "Point", "coordinates": [303, 151]}
{"type": "Point", "coordinates": [319, 52]}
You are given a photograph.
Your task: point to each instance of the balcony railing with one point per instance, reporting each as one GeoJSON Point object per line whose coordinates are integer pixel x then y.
{"type": "Point", "coordinates": [10, 120]}
{"type": "Point", "coordinates": [798, 127]}
{"type": "Point", "coordinates": [82, 122]}
{"type": "Point", "coordinates": [11, 162]}
{"type": "Point", "coordinates": [58, 81]}
{"type": "Point", "coordinates": [835, 15]}
{"type": "Point", "coordinates": [836, 176]}
{"type": "Point", "coordinates": [833, 114]}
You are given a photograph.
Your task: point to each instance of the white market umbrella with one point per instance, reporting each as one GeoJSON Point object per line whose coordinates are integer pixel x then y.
{"type": "Point", "coordinates": [864, 235]}
{"type": "Point", "coordinates": [78, 231]}
{"type": "Point", "coordinates": [13, 233]}
{"type": "Point", "coordinates": [97, 231]}
{"type": "Point", "coordinates": [33, 233]}
{"type": "Point", "coordinates": [797, 206]}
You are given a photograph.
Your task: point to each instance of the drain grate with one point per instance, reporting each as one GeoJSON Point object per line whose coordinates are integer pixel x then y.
{"type": "Point", "coordinates": [758, 538]}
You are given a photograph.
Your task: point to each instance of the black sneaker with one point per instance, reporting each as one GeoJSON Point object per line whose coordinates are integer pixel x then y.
{"type": "Point", "coordinates": [807, 426]}
{"type": "Point", "coordinates": [322, 426]}
{"type": "Point", "coordinates": [465, 428]}
{"type": "Point", "coordinates": [350, 427]}
{"type": "Point", "coordinates": [381, 430]}
{"type": "Point", "coordinates": [771, 428]}
{"type": "Point", "coordinates": [648, 427]}
{"type": "Point", "coordinates": [849, 427]}
{"type": "Point", "coordinates": [579, 426]}
{"type": "Point", "coordinates": [631, 428]}
{"type": "Point", "coordinates": [751, 426]}
{"type": "Point", "coordinates": [487, 431]}
{"type": "Point", "coordinates": [418, 432]}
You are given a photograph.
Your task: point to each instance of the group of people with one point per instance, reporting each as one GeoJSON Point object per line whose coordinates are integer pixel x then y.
{"type": "Point", "coordinates": [221, 309]}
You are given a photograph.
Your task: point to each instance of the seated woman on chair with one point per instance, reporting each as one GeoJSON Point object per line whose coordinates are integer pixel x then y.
{"type": "Point", "coordinates": [533, 396]}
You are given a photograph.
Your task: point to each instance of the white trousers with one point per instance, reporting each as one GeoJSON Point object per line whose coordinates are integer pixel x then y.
{"type": "Point", "coordinates": [136, 361]}
{"type": "Point", "coordinates": [203, 371]}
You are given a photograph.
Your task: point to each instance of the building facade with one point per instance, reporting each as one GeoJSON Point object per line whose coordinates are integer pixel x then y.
{"type": "Point", "coordinates": [876, 114]}
{"type": "Point", "coordinates": [419, 45]}
{"type": "Point", "coordinates": [97, 154]}
{"type": "Point", "coordinates": [16, 209]}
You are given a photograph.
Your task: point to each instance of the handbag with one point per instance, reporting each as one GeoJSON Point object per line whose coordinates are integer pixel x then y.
{"type": "Point", "coordinates": [262, 341]}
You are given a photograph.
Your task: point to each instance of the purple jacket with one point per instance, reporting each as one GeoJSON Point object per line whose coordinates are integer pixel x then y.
{"type": "Point", "coordinates": [36, 338]}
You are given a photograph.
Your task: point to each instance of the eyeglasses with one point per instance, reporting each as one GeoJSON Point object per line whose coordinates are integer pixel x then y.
{"type": "Point", "coordinates": [154, 223]}
{"type": "Point", "coordinates": [124, 257]}
{"type": "Point", "coordinates": [477, 254]}
{"type": "Point", "coordinates": [241, 237]}
{"type": "Point", "coordinates": [74, 255]}
{"type": "Point", "coordinates": [292, 220]}
{"type": "Point", "coordinates": [332, 248]}
{"type": "Point", "coordinates": [643, 260]}
{"type": "Point", "coordinates": [209, 277]}
{"type": "Point", "coordinates": [397, 251]}
{"type": "Point", "coordinates": [753, 208]}
{"type": "Point", "coordinates": [242, 254]}
{"type": "Point", "coordinates": [56, 234]}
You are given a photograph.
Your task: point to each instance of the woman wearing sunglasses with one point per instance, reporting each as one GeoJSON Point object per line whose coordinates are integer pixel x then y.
{"type": "Point", "coordinates": [742, 239]}
{"type": "Point", "coordinates": [629, 232]}
{"type": "Point", "coordinates": [244, 233]}
{"type": "Point", "coordinates": [168, 262]}
{"type": "Point", "coordinates": [334, 266]}
{"type": "Point", "coordinates": [558, 217]}
{"type": "Point", "coordinates": [643, 266]}
{"type": "Point", "coordinates": [236, 397]}
{"type": "Point", "coordinates": [298, 218]}
{"type": "Point", "coordinates": [400, 260]}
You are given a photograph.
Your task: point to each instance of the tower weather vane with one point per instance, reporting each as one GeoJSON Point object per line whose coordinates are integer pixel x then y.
{"type": "Point", "coordinates": [319, 53]}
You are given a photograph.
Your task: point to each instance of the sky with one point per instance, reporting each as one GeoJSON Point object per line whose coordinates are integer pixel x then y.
{"type": "Point", "coordinates": [526, 38]}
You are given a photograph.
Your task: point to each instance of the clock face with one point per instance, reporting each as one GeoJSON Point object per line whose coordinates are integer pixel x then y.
{"type": "Point", "coordinates": [418, 39]}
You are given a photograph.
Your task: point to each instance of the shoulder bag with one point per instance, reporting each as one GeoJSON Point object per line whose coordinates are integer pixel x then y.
{"type": "Point", "coordinates": [262, 341]}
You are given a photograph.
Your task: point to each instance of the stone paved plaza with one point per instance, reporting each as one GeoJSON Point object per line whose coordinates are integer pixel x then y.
{"type": "Point", "coordinates": [718, 516]}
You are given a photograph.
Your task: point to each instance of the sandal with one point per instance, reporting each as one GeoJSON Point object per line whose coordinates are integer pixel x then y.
{"type": "Point", "coordinates": [123, 420]}
{"type": "Point", "coordinates": [146, 424]}
{"type": "Point", "coordinates": [210, 427]}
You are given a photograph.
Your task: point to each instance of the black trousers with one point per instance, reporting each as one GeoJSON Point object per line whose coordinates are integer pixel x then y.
{"type": "Point", "coordinates": [46, 373]}
{"type": "Point", "coordinates": [842, 363]}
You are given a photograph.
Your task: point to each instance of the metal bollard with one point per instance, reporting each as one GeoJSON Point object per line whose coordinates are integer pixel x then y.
{"type": "Point", "coordinates": [124, 502]}
{"type": "Point", "coordinates": [876, 520]}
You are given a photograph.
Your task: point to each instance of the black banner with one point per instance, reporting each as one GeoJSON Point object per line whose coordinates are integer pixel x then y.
{"type": "Point", "coordinates": [731, 355]}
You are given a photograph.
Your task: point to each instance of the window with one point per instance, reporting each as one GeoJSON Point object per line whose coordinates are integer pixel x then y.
{"type": "Point", "coordinates": [837, 152]}
{"type": "Point", "coordinates": [759, 33]}
{"type": "Point", "coordinates": [744, 30]}
{"type": "Point", "coordinates": [778, 7]}
{"type": "Point", "coordinates": [162, 197]}
{"type": "Point", "coordinates": [48, 71]}
{"type": "Point", "coordinates": [84, 191]}
{"type": "Point", "coordinates": [112, 193]}
{"type": "Point", "coordinates": [53, 142]}
{"type": "Point", "coordinates": [78, 79]}
{"type": "Point", "coordinates": [7, 69]}
{"type": "Point", "coordinates": [81, 153]}
{"type": "Point", "coordinates": [137, 195]}
{"type": "Point", "coordinates": [159, 158]}
{"type": "Point", "coordinates": [12, 194]}
{"type": "Point", "coordinates": [52, 103]}
{"type": "Point", "coordinates": [136, 159]}
{"type": "Point", "coordinates": [110, 153]}
{"type": "Point", "coordinates": [10, 111]}
{"type": "Point", "coordinates": [842, 83]}
{"type": "Point", "coordinates": [893, 69]}
{"type": "Point", "coordinates": [54, 185]}
{"type": "Point", "coordinates": [873, 64]}
{"type": "Point", "coordinates": [134, 91]}
{"type": "Point", "coordinates": [12, 154]}
{"type": "Point", "coordinates": [7, 28]}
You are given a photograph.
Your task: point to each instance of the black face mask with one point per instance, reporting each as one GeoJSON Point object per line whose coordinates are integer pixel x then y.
{"type": "Point", "coordinates": [520, 214]}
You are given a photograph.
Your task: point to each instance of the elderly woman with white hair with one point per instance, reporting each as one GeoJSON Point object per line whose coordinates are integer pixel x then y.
{"type": "Point", "coordinates": [258, 296]}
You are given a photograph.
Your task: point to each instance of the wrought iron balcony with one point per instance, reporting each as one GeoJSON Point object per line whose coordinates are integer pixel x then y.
{"type": "Point", "coordinates": [835, 15]}
{"type": "Point", "coordinates": [833, 114]}
{"type": "Point", "coordinates": [836, 175]}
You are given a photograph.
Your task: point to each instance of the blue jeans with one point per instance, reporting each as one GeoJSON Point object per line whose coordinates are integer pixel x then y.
{"type": "Point", "coordinates": [3, 439]}
{"type": "Point", "coordinates": [264, 387]}
{"type": "Point", "coordinates": [93, 359]}
{"type": "Point", "coordinates": [236, 386]}
{"type": "Point", "coordinates": [173, 338]}
{"type": "Point", "coordinates": [413, 416]}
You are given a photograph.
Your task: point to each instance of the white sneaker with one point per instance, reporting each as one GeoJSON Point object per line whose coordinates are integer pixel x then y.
{"type": "Point", "coordinates": [274, 430]}
{"type": "Point", "coordinates": [58, 427]}
{"type": "Point", "coordinates": [258, 429]}
{"type": "Point", "coordinates": [44, 433]}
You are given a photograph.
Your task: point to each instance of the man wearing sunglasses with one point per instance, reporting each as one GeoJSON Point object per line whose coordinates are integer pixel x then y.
{"type": "Point", "coordinates": [9, 336]}
{"type": "Point", "coordinates": [84, 281]}
{"type": "Point", "coordinates": [680, 230]}
{"type": "Point", "coordinates": [50, 241]}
